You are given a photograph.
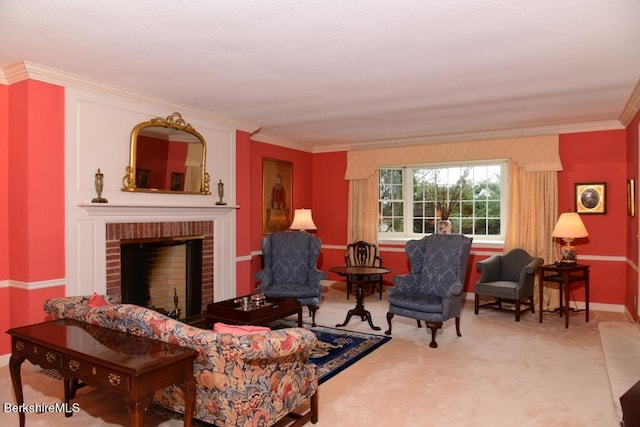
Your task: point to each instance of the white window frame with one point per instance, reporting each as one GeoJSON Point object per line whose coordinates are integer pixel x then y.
{"type": "Point", "coordinates": [408, 234]}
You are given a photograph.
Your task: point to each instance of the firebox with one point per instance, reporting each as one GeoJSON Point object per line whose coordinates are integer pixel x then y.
{"type": "Point", "coordinates": [164, 274]}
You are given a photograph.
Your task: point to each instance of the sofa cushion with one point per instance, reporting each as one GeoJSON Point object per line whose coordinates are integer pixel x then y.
{"type": "Point", "coordinates": [238, 330]}
{"type": "Point", "coordinates": [97, 300]}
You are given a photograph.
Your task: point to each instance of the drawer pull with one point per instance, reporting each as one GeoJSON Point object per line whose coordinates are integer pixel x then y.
{"type": "Point", "coordinates": [114, 379]}
{"type": "Point", "coordinates": [74, 365]}
{"type": "Point", "coordinates": [51, 357]}
{"type": "Point", "coordinates": [94, 370]}
{"type": "Point", "coordinates": [19, 346]}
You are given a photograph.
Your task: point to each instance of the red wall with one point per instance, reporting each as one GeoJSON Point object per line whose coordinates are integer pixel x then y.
{"type": "Point", "coordinates": [4, 216]}
{"type": "Point", "coordinates": [586, 157]}
{"type": "Point", "coordinates": [244, 267]}
{"type": "Point", "coordinates": [631, 294]}
{"type": "Point", "coordinates": [34, 191]}
{"type": "Point", "coordinates": [598, 157]}
{"type": "Point", "coordinates": [249, 215]}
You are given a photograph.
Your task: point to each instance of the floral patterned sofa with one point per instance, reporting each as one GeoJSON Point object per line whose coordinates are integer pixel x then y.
{"type": "Point", "coordinates": [248, 380]}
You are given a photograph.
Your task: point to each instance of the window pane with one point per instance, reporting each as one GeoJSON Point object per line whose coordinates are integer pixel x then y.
{"type": "Point", "coordinates": [469, 195]}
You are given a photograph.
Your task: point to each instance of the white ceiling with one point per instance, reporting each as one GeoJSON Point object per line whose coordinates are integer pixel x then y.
{"type": "Point", "coordinates": [330, 74]}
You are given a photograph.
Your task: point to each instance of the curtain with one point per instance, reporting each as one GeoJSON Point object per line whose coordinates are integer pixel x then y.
{"type": "Point", "coordinates": [363, 210]}
{"type": "Point", "coordinates": [533, 211]}
{"type": "Point", "coordinates": [194, 168]}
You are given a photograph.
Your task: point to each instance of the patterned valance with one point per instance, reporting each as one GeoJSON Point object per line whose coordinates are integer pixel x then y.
{"type": "Point", "coordinates": [535, 154]}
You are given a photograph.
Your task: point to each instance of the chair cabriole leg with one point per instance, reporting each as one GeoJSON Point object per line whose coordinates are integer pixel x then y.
{"type": "Point", "coordinates": [389, 317]}
{"type": "Point", "coordinates": [434, 326]}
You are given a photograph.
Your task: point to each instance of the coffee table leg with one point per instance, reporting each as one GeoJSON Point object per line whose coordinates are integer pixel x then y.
{"type": "Point", "coordinates": [300, 317]}
{"type": "Point", "coordinates": [16, 380]}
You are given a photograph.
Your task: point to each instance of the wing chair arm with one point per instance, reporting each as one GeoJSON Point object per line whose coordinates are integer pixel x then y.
{"type": "Point", "coordinates": [315, 275]}
{"type": "Point", "coordinates": [265, 277]}
{"type": "Point", "coordinates": [490, 268]}
{"type": "Point", "coordinates": [454, 290]}
{"type": "Point", "coordinates": [404, 282]}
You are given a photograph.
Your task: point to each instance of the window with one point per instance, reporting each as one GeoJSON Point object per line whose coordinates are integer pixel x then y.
{"type": "Point", "coordinates": [413, 200]}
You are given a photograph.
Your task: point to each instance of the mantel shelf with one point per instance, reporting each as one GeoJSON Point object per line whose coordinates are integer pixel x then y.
{"type": "Point", "coordinates": [121, 209]}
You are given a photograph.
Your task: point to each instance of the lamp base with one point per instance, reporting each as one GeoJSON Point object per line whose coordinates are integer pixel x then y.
{"type": "Point", "coordinates": [568, 252]}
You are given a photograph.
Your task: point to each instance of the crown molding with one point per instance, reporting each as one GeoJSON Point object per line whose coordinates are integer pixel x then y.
{"type": "Point", "coordinates": [27, 70]}
{"type": "Point", "coordinates": [631, 108]}
{"type": "Point", "coordinates": [477, 136]}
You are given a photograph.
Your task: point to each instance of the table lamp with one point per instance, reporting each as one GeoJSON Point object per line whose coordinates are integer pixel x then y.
{"type": "Point", "coordinates": [568, 228]}
{"type": "Point", "coordinates": [302, 220]}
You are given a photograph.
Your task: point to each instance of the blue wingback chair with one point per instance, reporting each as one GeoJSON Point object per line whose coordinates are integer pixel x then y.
{"type": "Point", "coordinates": [432, 291]}
{"type": "Point", "coordinates": [290, 259]}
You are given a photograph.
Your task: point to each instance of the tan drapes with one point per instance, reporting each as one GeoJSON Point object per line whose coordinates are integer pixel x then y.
{"type": "Point", "coordinates": [194, 168]}
{"type": "Point", "coordinates": [363, 210]}
{"type": "Point", "coordinates": [533, 210]}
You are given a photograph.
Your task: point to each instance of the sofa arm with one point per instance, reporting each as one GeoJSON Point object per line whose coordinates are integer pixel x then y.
{"type": "Point", "coordinates": [62, 307]}
{"type": "Point", "coordinates": [276, 344]}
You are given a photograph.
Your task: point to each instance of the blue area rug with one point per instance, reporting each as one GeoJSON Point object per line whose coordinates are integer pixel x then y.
{"type": "Point", "coordinates": [337, 348]}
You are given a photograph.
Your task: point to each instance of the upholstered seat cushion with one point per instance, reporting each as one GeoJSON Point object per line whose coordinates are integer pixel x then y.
{"type": "Point", "coordinates": [499, 289]}
{"type": "Point", "coordinates": [291, 290]}
{"type": "Point", "coordinates": [418, 302]}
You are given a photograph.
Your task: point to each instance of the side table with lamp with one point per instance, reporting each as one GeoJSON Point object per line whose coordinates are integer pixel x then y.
{"type": "Point", "coordinates": [566, 271]}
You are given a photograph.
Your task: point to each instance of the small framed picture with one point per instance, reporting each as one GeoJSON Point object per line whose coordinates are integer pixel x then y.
{"type": "Point", "coordinates": [143, 178]}
{"type": "Point", "coordinates": [591, 198]}
{"type": "Point", "coordinates": [631, 197]}
{"type": "Point", "coordinates": [177, 181]}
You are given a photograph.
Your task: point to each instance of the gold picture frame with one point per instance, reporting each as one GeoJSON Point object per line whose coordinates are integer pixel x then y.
{"type": "Point", "coordinates": [631, 197]}
{"type": "Point", "coordinates": [277, 195]}
{"type": "Point", "coordinates": [591, 198]}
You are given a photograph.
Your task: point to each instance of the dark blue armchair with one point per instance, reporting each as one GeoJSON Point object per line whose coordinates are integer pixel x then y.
{"type": "Point", "coordinates": [433, 290]}
{"type": "Point", "coordinates": [290, 259]}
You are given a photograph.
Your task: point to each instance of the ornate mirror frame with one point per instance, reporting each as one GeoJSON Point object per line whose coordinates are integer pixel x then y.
{"type": "Point", "coordinates": [138, 179]}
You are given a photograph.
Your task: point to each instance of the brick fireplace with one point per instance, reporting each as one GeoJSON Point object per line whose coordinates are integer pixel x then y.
{"type": "Point", "coordinates": [116, 233]}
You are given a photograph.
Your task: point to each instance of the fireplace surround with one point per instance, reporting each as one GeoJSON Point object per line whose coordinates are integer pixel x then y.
{"type": "Point", "coordinates": [94, 261]}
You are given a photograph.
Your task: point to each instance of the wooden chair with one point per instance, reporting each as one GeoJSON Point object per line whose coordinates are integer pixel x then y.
{"type": "Point", "coordinates": [362, 253]}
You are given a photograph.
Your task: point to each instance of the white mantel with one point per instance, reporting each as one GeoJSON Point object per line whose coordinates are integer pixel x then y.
{"type": "Point", "coordinates": [98, 129]}
{"type": "Point", "coordinates": [89, 274]}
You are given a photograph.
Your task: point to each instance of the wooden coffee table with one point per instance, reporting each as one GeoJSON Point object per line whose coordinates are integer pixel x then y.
{"type": "Point", "coordinates": [105, 358]}
{"type": "Point", "coordinates": [233, 311]}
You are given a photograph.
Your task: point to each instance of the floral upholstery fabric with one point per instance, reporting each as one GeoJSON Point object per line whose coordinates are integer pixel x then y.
{"type": "Point", "coordinates": [249, 380]}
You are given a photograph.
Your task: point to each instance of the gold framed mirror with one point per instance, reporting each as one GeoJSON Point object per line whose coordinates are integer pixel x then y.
{"type": "Point", "coordinates": [167, 155]}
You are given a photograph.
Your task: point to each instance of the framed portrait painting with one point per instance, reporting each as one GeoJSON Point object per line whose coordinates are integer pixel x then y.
{"type": "Point", "coordinates": [591, 198]}
{"type": "Point", "coordinates": [277, 187]}
{"type": "Point", "coordinates": [177, 181]}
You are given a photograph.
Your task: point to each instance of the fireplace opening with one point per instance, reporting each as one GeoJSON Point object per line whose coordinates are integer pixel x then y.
{"type": "Point", "coordinates": [164, 274]}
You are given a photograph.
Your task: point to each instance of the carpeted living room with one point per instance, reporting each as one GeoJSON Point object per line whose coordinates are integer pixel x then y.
{"type": "Point", "coordinates": [499, 373]}
{"type": "Point", "coordinates": [151, 153]}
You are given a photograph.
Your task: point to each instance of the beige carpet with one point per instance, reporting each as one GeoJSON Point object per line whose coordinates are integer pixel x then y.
{"type": "Point", "coordinates": [499, 373]}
